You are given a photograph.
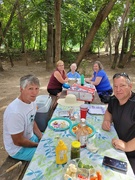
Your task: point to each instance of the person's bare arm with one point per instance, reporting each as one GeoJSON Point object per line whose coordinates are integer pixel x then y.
{"type": "Point", "coordinates": [20, 140]}
{"type": "Point", "coordinates": [124, 146]}
{"type": "Point", "coordinates": [37, 131]}
{"type": "Point", "coordinates": [59, 77]}
{"type": "Point", "coordinates": [88, 80]}
{"type": "Point", "coordinates": [97, 81]}
{"type": "Point", "coordinates": [106, 125]}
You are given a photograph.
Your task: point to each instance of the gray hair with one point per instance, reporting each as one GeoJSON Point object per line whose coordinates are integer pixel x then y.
{"type": "Point", "coordinates": [123, 74]}
{"type": "Point", "coordinates": [28, 79]}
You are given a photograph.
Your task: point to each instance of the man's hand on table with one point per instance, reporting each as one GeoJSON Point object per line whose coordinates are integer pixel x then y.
{"type": "Point", "coordinates": [119, 144]}
{"type": "Point", "coordinates": [124, 146]}
{"type": "Point", "coordinates": [106, 125]}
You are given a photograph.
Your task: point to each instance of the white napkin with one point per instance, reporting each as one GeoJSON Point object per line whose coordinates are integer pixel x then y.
{"type": "Point", "coordinates": [91, 147]}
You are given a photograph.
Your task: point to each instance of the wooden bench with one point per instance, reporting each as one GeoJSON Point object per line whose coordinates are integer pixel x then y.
{"type": "Point", "coordinates": [15, 174]}
{"type": "Point", "coordinates": [53, 105]}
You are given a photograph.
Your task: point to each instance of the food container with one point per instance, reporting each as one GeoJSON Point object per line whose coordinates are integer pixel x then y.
{"type": "Point", "coordinates": [70, 170]}
{"type": "Point", "coordinates": [75, 149]}
{"type": "Point", "coordinates": [82, 93]}
{"type": "Point", "coordinates": [43, 111]}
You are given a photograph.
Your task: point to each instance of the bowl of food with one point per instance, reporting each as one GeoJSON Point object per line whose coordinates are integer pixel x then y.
{"type": "Point", "coordinates": [77, 169]}
{"type": "Point", "coordinates": [70, 170]}
{"type": "Point", "coordinates": [90, 129]}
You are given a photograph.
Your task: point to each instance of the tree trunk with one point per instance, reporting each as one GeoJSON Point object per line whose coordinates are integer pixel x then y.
{"type": "Point", "coordinates": [3, 33]}
{"type": "Point", "coordinates": [96, 25]}
{"type": "Point", "coordinates": [50, 40]}
{"type": "Point", "coordinates": [131, 45]}
{"type": "Point", "coordinates": [120, 35]}
{"type": "Point", "coordinates": [128, 54]}
{"type": "Point", "coordinates": [21, 28]}
{"type": "Point", "coordinates": [49, 53]}
{"type": "Point", "coordinates": [40, 41]}
{"type": "Point", "coordinates": [57, 30]}
{"type": "Point", "coordinates": [9, 21]}
{"type": "Point", "coordinates": [126, 57]}
{"type": "Point", "coordinates": [122, 50]}
{"type": "Point", "coordinates": [36, 36]}
{"type": "Point", "coordinates": [127, 40]}
{"type": "Point", "coordinates": [109, 39]}
{"type": "Point", "coordinates": [1, 68]}
{"type": "Point", "coordinates": [6, 45]}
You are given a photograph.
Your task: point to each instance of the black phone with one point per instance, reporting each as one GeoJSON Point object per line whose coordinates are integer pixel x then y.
{"type": "Point", "coordinates": [115, 163]}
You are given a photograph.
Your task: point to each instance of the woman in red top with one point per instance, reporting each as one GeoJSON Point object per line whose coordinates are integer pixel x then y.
{"type": "Point", "coordinates": [58, 78]}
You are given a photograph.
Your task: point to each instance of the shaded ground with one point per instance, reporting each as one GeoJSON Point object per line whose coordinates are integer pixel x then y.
{"type": "Point", "coordinates": [9, 83]}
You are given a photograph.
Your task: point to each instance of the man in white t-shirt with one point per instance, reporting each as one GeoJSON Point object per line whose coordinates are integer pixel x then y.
{"type": "Point", "coordinates": [20, 132]}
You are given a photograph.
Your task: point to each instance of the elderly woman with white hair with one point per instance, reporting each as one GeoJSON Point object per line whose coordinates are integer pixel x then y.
{"type": "Point", "coordinates": [73, 73]}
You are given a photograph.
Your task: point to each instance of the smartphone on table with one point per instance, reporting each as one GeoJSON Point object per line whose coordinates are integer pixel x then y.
{"type": "Point", "coordinates": [115, 163]}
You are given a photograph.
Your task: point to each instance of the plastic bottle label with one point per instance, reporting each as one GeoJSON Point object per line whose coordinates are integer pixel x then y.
{"type": "Point", "coordinates": [83, 140]}
{"type": "Point", "coordinates": [62, 153]}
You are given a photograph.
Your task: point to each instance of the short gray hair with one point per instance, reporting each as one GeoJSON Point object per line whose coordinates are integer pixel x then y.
{"type": "Point", "coordinates": [29, 79]}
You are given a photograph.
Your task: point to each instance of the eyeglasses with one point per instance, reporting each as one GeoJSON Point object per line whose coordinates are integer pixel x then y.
{"type": "Point", "coordinates": [121, 74]}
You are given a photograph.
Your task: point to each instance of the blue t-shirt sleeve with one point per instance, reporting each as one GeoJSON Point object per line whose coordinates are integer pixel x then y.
{"type": "Point", "coordinates": [101, 73]}
{"type": "Point", "coordinates": [78, 75]}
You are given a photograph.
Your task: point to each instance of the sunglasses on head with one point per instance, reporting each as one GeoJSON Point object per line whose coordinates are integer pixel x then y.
{"type": "Point", "coordinates": [121, 74]}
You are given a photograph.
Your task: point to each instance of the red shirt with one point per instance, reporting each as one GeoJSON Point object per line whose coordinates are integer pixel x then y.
{"type": "Point", "coordinates": [54, 83]}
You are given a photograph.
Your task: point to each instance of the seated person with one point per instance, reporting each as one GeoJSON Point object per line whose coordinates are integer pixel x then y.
{"type": "Point", "coordinates": [121, 113]}
{"type": "Point", "coordinates": [20, 132]}
{"type": "Point", "coordinates": [73, 73]}
{"type": "Point", "coordinates": [101, 82]}
{"type": "Point", "coordinates": [58, 78]}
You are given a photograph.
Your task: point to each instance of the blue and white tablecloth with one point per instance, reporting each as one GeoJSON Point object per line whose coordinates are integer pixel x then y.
{"type": "Point", "coordinates": [43, 166]}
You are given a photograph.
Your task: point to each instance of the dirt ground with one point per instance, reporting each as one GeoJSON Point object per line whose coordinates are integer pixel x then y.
{"type": "Point", "coordinates": [9, 83]}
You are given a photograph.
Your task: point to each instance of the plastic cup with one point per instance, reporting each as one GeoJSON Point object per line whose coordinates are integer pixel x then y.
{"type": "Point", "coordinates": [83, 111]}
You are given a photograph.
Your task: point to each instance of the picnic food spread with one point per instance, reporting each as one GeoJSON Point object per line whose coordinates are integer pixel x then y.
{"type": "Point", "coordinates": [61, 124]}
{"type": "Point", "coordinates": [80, 171]}
{"type": "Point", "coordinates": [75, 128]}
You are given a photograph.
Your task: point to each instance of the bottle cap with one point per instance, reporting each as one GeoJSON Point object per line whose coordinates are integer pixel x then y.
{"type": "Point", "coordinates": [76, 144]}
{"type": "Point", "coordinates": [60, 143]}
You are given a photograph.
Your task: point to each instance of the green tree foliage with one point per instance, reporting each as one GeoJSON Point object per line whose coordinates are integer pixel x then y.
{"type": "Point", "coordinates": [30, 21]}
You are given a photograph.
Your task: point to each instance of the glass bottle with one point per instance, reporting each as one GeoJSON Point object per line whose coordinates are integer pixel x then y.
{"type": "Point", "coordinates": [82, 133]}
{"type": "Point", "coordinates": [75, 149]}
{"type": "Point", "coordinates": [61, 153]}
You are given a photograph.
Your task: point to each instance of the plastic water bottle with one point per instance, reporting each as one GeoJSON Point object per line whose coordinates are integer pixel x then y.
{"type": "Point", "coordinates": [82, 80]}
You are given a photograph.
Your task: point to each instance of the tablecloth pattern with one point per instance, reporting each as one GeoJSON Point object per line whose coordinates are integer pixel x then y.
{"type": "Point", "coordinates": [43, 166]}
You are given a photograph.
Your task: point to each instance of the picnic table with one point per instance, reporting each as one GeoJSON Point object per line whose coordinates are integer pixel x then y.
{"type": "Point", "coordinates": [43, 165]}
